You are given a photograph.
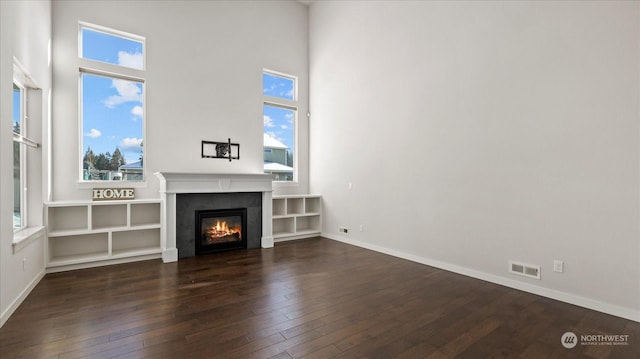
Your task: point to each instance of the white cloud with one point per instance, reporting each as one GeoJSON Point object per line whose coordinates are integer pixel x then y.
{"type": "Point", "coordinates": [130, 60]}
{"type": "Point", "coordinates": [137, 111]}
{"type": "Point", "coordinates": [274, 135]}
{"type": "Point", "coordinates": [130, 144]}
{"type": "Point", "coordinates": [93, 133]}
{"type": "Point", "coordinates": [268, 121]}
{"type": "Point", "coordinates": [290, 117]}
{"type": "Point", "coordinates": [284, 127]}
{"type": "Point", "coordinates": [127, 91]}
{"type": "Point", "coordinates": [289, 94]}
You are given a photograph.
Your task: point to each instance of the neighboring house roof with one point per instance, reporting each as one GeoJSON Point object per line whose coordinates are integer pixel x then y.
{"type": "Point", "coordinates": [131, 166]}
{"type": "Point", "coordinates": [276, 167]}
{"type": "Point", "coordinates": [270, 142]}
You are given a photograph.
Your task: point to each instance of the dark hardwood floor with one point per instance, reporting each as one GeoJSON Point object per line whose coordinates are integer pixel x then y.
{"type": "Point", "coordinates": [313, 298]}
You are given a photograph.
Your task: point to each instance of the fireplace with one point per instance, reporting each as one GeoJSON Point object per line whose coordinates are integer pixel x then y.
{"type": "Point", "coordinates": [185, 193]}
{"type": "Point", "coordinates": [220, 230]}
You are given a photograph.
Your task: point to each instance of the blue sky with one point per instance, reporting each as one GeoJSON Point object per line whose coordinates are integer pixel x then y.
{"type": "Point", "coordinates": [112, 109]}
{"type": "Point", "coordinates": [16, 107]}
{"type": "Point", "coordinates": [279, 122]}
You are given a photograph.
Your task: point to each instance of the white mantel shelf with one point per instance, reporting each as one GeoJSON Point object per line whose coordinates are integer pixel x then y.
{"type": "Point", "coordinates": [176, 182]}
{"type": "Point", "coordinates": [172, 183]}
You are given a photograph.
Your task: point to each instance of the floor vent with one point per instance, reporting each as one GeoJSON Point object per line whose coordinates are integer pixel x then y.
{"type": "Point", "coordinates": [526, 270]}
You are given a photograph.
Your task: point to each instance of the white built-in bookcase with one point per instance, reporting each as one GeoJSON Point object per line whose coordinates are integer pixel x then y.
{"type": "Point", "coordinates": [85, 234]}
{"type": "Point", "coordinates": [296, 216]}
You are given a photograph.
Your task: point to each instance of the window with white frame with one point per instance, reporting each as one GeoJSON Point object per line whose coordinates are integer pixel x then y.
{"type": "Point", "coordinates": [112, 89]}
{"type": "Point", "coordinates": [23, 85]}
{"type": "Point", "coordinates": [280, 112]}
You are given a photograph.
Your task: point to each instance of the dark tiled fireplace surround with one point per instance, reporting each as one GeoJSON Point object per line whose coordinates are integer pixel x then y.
{"type": "Point", "coordinates": [188, 203]}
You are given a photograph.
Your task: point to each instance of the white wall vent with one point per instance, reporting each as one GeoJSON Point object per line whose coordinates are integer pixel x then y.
{"type": "Point", "coordinates": [526, 270]}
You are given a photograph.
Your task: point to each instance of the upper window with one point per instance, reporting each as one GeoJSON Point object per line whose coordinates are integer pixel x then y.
{"type": "Point", "coordinates": [279, 86]}
{"type": "Point", "coordinates": [108, 46]}
{"type": "Point", "coordinates": [112, 106]}
{"type": "Point", "coordinates": [280, 111]}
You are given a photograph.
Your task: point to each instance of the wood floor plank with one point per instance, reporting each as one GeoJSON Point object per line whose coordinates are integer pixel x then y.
{"type": "Point", "coordinates": [313, 298]}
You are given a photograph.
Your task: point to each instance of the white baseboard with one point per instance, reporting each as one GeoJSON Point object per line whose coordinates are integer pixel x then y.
{"type": "Point", "coordinates": [23, 295]}
{"type": "Point", "coordinates": [266, 242]}
{"type": "Point", "coordinates": [296, 237]}
{"type": "Point", "coordinates": [170, 255]}
{"type": "Point", "coordinates": [619, 311]}
{"type": "Point", "coordinates": [108, 262]}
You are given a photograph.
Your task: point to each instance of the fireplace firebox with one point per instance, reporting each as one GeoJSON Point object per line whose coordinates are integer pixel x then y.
{"type": "Point", "coordinates": [220, 230]}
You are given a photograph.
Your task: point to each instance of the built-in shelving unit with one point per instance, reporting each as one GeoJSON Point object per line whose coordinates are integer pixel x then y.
{"type": "Point", "coordinates": [296, 216]}
{"type": "Point", "coordinates": [86, 234]}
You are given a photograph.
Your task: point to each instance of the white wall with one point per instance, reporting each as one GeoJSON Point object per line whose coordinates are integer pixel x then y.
{"type": "Point", "coordinates": [204, 81]}
{"type": "Point", "coordinates": [478, 132]}
{"type": "Point", "coordinates": [25, 33]}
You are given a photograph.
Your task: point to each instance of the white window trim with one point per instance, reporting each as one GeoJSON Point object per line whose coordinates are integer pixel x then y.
{"type": "Point", "coordinates": [99, 68]}
{"type": "Point", "coordinates": [27, 233]}
{"type": "Point", "coordinates": [112, 32]}
{"type": "Point", "coordinates": [289, 105]}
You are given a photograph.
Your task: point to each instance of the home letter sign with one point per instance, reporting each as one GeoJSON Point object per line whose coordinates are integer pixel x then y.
{"type": "Point", "coordinates": [112, 194]}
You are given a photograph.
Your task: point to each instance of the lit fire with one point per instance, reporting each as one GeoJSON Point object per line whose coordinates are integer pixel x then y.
{"type": "Point", "coordinates": [221, 229]}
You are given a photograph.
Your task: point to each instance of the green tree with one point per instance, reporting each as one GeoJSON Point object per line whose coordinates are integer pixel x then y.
{"type": "Point", "coordinates": [89, 158]}
{"type": "Point", "coordinates": [117, 160]}
{"type": "Point", "coordinates": [16, 150]}
{"type": "Point", "coordinates": [103, 161]}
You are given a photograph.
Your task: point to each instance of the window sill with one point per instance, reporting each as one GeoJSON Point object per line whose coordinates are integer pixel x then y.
{"type": "Point", "coordinates": [25, 236]}
{"type": "Point", "coordinates": [277, 184]}
{"type": "Point", "coordinates": [110, 184]}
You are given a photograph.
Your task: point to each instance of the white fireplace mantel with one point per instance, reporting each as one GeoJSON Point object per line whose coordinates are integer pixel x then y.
{"type": "Point", "coordinates": [172, 183]}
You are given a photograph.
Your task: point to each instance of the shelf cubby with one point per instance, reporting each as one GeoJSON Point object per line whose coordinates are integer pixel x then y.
{"type": "Point", "coordinates": [135, 241]}
{"type": "Point", "coordinates": [71, 218]}
{"type": "Point", "coordinates": [307, 223]}
{"type": "Point", "coordinates": [283, 226]}
{"type": "Point", "coordinates": [108, 216]}
{"type": "Point", "coordinates": [295, 205]}
{"type": "Point", "coordinates": [312, 205]}
{"type": "Point", "coordinates": [279, 207]}
{"type": "Point", "coordinates": [78, 247]}
{"type": "Point", "coordinates": [145, 214]}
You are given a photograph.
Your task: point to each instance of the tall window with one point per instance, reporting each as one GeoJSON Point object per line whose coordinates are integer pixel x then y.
{"type": "Point", "coordinates": [19, 158]}
{"type": "Point", "coordinates": [25, 116]}
{"type": "Point", "coordinates": [112, 104]}
{"type": "Point", "coordinates": [280, 112]}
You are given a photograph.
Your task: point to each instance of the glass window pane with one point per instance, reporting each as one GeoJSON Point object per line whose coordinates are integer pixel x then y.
{"type": "Point", "coordinates": [112, 49]}
{"type": "Point", "coordinates": [278, 86]}
{"type": "Point", "coordinates": [112, 129]}
{"type": "Point", "coordinates": [17, 187]}
{"type": "Point", "coordinates": [17, 107]}
{"type": "Point", "coordinates": [279, 141]}
{"type": "Point", "coordinates": [17, 157]}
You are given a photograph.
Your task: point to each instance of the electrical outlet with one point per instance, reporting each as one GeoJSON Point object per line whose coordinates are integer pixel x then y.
{"type": "Point", "coordinates": [558, 266]}
{"type": "Point", "coordinates": [24, 264]}
{"type": "Point", "coordinates": [344, 230]}
{"type": "Point", "coordinates": [361, 228]}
